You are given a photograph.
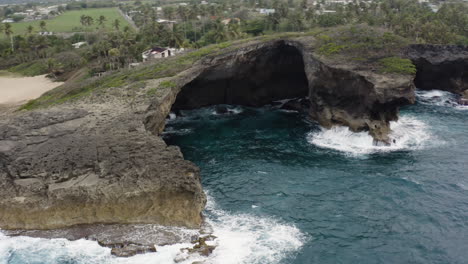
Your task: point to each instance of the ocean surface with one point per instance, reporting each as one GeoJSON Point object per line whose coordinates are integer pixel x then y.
{"type": "Point", "coordinates": [283, 190]}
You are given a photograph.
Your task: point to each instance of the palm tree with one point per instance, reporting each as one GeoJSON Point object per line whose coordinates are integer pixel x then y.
{"type": "Point", "coordinates": [83, 20]}
{"type": "Point", "coordinates": [101, 20]}
{"type": "Point", "coordinates": [116, 24]}
{"type": "Point", "coordinates": [182, 12]}
{"type": "Point", "coordinates": [233, 30]}
{"type": "Point", "coordinates": [9, 33]}
{"type": "Point", "coordinates": [30, 29]}
{"type": "Point", "coordinates": [43, 25]}
{"type": "Point", "coordinates": [168, 12]}
{"type": "Point", "coordinates": [219, 32]}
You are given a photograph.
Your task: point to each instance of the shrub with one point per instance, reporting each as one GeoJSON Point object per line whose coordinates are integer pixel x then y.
{"type": "Point", "coordinates": [397, 65]}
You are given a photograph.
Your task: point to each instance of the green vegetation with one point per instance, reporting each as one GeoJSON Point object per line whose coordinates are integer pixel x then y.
{"type": "Point", "coordinates": [397, 65]}
{"type": "Point", "coordinates": [70, 21]}
{"type": "Point", "coordinates": [358, 32]}
{"type": "Point", "coordinates": [167, 84]}
{"type": "Point", "coordinates": [30, 68]}
{"type": "Point", "coordinates": [359, 41]}
{"type": "Point", "coordinates": [167, 68]}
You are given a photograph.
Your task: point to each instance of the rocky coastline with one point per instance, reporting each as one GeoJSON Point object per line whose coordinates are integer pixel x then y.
{"type": "Point", "coordinates": [100, 160]}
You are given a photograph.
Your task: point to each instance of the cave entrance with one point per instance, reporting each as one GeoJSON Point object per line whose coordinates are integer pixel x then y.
{"type": "Point", "coordinates": [256, 78]}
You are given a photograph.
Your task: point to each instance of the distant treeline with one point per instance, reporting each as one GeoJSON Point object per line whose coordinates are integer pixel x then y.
{"type": "Point", "coordinates": [84, 5]}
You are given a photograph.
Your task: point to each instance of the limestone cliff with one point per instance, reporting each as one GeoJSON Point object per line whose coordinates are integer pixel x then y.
{"type": "Point", "coordinates": [441, 67]}
{"type": "Point", "coordinates": [93, 162]}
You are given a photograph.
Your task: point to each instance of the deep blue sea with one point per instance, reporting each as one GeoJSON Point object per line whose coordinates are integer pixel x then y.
{"type": "Point", "coordinates": [283, 190]}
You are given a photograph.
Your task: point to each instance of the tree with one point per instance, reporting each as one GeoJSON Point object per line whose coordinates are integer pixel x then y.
{"type": "Point", "coordinates": [114, 54]}
{"type": "Point", "coordinates": [83, 20]}
{"type": "Point", "coordinates": [168, 12]}
{"type": "Point", "coordinates": [43, 25]}
{"type": "Point", "coordinates": [30, 29]}
{"type": "Point", "coordinates": [183, 14]}
{"type": "Point", "coordinates": [220, 34]}
{"type": "Point", "coordinates": [9, 33]}
{"type": "Point", "coordinates": [116, 24]}
{"type": "Point", "coordinates": [101, 20]}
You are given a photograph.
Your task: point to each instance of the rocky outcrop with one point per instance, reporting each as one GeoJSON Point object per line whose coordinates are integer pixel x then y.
{"type": "Point", "coordinates": [342, 93]}
{"type": "Point", "coordinates": [98, 161]}
{"type": "Point", "coordinates": [440, 67]}
{"type": "Point", "coordinates": [93, 162]}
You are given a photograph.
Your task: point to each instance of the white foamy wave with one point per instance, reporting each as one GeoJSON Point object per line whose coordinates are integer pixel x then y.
{"type": "Point", "coordinates": [172, 131]}
{"type": "Point", "coordinates": [407, 133]}
{"type": "Point", "coordinates": [439, 98]}
{"type": "Point", "coordinates": [16, 250]}
{"type": "Point", "coordinates": [241, 239]}
{"type": "Point", "coordinates": [231, 110]}
{"type": "Point", "coordinates": [244, 238]}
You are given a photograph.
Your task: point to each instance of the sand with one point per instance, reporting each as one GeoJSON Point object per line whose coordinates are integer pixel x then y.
{"type": "Point", "coordinates": [16, 90]}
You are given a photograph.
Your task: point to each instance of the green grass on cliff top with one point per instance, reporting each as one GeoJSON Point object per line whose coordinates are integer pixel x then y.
{"type": "Point", "coordinates": [352, 44]}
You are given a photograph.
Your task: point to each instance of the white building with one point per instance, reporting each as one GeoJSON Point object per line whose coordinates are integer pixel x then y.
{"type": "Point", "coordinates": [8, 20]}
{"type": "Point", "coordinates": [79, 44]}
{"type": "Point", "coordinates": [159, 53]}
{"type": "Point", "coordinates": [266, 11]}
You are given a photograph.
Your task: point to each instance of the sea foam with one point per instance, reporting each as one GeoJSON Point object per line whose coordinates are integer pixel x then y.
{"type": "Point", "coordinates": [439, 98]}
{"type": "Point", "coordinates": [407, 133]}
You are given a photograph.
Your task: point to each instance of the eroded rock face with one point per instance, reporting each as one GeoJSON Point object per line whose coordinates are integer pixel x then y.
{"type": "Point", "coordinates": [441, 67]}
{"type": "Point", "coordinates": [93, 162]}
{"type": "Point", "coordinates": [361, 100]}
{"type": "Point", "coordinates": [339, 93]}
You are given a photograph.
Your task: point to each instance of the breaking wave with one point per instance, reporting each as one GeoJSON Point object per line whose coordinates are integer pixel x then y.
{"type": "Point", "coordinates": [439, 98]}
{"type": "Point", "coordinates": [407, 133]}
{"type": "Point", "coordinates": [241, 238]}
{"type": "Point", "coordinates": [244, 238]}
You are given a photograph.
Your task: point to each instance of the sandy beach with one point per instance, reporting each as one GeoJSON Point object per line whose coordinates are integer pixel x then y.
{"type": "Point", "coordinates": [15, 90]}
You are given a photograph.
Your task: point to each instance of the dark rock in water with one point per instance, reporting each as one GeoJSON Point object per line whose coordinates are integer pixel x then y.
{"type": "Point", "coordinates": [299, 105]}
{"type": "Point", "coordinates": [129, 250]}
{"type": "Point", "coordinates": [221, 109]}
{"type": "Point", "coordinates": [463, 101]}
{"type": "Point", "coordinates": [200, 247]}
{"type": "Point", "coordinates": [464, 98]}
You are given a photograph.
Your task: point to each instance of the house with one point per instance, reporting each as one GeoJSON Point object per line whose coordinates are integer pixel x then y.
{"type": "Point", "coordinates": [229, 20]}
{"type": "Point", "coordinates": [79, 44]}
{"type": "Point", "coordinates": [8, 20]}
{"type": "Point", "coordinates": [158, 53]}
{"type": "Point", "coordinates": [266, 11]}
{"type": "Point", "coordinates": [46, 33]}
{"type": "Point", "coordinates": [168, 23]}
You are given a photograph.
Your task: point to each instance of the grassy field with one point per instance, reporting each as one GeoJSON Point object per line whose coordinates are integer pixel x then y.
{"type": "Point", "coordinates": [70, 21]}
